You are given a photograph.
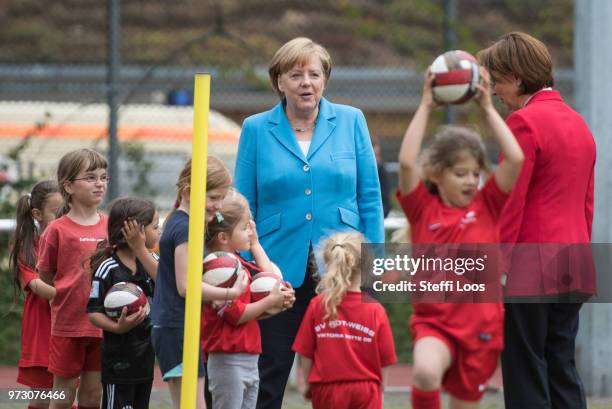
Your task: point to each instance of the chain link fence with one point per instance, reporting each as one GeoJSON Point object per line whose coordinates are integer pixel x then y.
{"type": "Point", "coordinates": [156, 118]}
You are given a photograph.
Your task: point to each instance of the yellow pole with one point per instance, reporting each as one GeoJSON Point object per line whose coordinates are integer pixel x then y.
{"type": "Point", "coordinates": [193, 298]}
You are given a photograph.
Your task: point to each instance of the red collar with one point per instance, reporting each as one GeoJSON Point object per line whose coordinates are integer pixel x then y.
{"type": "Point", "coordinates": [543, 95]}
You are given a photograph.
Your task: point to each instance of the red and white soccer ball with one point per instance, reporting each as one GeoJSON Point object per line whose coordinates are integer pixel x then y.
{"type": "Point", "coordinates": [221, 269]}
{"type": "Point", "coordinates": [263, 283]}
{"type": "Point", "coordinates": [125, 294]}
{"type": "Point", "coordinates": [456, 75]}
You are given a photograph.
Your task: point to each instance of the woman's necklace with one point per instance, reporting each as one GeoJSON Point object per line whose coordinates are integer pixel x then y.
{"type": "Point", "coordinates": [308, 128]}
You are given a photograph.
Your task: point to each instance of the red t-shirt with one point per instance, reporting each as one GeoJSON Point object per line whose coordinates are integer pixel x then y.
{"type": "Point", "coordinates": [431, 221]}
{"type": "Point", "coordinates": [64, 249]}
{"type": "Point", "coordinates": [222, 333]}
{"type": "Point", "coordinates": [36, 321]}
{"type": "Point", "coordinates": [353, 347]}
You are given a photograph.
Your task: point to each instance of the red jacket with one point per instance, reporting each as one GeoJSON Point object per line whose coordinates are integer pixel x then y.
{"type": "Point", "coordinates": [551, 204]}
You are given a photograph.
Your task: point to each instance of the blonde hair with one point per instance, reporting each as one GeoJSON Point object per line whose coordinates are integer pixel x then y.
{"type": "Point", "coordinates": [235, 206]}
{"type": "Point", "coordinates": [342, 257]}
{"type": "Point", "coordinates": [297, 52]}
{"type": "Point", "coordinates": [73, 163]}
{"type": "Point", "coordinates": [217, 177]}
{"type": "Point", "coordinates": [450, 145]}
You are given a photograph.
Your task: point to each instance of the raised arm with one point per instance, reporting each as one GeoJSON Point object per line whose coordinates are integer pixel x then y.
{"type": "Point", "coordinates": [257, 251]}
{"type": "Point", "coordinates": [134, 234]}
{"type": "Point", "coordinates": [509, 169]}
{"type": "Point", "coordinates": [409, 172]}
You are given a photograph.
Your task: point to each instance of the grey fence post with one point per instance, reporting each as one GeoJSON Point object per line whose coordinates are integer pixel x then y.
{"type": "Point", "coordinates": [593, 59]}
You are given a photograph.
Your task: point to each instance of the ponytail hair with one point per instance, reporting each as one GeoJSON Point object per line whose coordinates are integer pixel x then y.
{"type": "Point", "coordinates": [103, 251]}
{"type": "Point", "coordinates": [26, 229]}
{"type": "Point", "coordinates": [73, 163]}
{"type": "Point", "coordinates": [121, 210]}
{"type": "Point", "coordinates": [235, 206]}
{"type": "Point", "coordinates": [342, 257]}
{"type": "Point", "coordinates": [217, 177]}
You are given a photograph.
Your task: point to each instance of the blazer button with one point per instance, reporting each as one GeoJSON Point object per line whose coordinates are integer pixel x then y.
{"type": "Point", "coordinates": [307, 192]}
{"type": "Point", "coordinates": [306, 168]}
{"type": "Point", "coordinates": [308, 216]}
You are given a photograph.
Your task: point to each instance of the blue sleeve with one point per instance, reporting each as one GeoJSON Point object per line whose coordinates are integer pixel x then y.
{"type": "Point", "coordinates": [368, 187]}
{"type": "Point", "coordinates": [245, 176]}
{"type": "Point", "coordinates": [180, 231]}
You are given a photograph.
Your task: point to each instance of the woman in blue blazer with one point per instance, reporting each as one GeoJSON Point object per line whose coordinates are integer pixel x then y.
{"type": "Point", "coordinates": [308, 169]}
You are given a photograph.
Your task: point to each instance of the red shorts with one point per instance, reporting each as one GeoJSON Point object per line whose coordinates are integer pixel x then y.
{"type": "Point", "coordinates": [69, 356]}
{"type": "Point", "coordinates": [470, 370]}
{"type": "Point", "coordinates": [347, 395]}
{"type": "Point", "coordinates": [35, 377]}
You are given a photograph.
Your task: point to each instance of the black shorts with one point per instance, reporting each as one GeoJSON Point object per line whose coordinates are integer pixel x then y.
{"type": "Point", "coordinates": [128, 364]}
{"type": "Point", "coordinates": [119, 396]}
{"type": "Point", "coordinates": [168, 345]}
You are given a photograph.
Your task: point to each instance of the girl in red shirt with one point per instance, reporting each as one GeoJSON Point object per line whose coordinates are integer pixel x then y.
{"type": "Point", "coordinates": [345, 339]}
{"type": "Point", "coordinates": [34, 212]}
{"type": "Point", "coordinates": [230, 335]}
{"type": "Point", "coordinates": [74, 350]}
{"type": "Point", "coordinates": [456, 346]}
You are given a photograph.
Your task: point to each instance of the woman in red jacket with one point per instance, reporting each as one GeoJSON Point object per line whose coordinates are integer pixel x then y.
{"type": "Point", "coordinates": [547, 218]}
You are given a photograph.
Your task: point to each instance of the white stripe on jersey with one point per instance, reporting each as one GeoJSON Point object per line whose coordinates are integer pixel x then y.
{"type": "Point", "coordinates": [105, 267]}
{"type": "Point", "coordinates": [108, 404]}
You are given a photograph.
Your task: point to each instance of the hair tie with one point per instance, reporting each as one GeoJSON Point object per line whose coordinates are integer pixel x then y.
{"type": "Point", "coordinates": [177, 204]}
{"type": "Point", "coordinates": [219, 217]}
{"type": "Point", "coordinates": [337, 245]}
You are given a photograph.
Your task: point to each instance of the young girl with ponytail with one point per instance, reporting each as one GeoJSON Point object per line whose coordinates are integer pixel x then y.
{"type": "Point", "coordinates": [35, 211]}
{"type": "Point", "coordinates": [345, 339]}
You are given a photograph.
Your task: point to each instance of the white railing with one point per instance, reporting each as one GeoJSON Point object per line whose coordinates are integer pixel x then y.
{"type": "Point", "coordinates": [391, 223]}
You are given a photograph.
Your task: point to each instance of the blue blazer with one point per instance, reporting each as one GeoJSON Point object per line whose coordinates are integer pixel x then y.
{"type": "Point", "coordinates": [297, 200]}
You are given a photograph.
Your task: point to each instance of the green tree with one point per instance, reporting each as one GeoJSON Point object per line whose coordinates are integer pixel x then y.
{"type": "Point", "coordinates": [139, 168]}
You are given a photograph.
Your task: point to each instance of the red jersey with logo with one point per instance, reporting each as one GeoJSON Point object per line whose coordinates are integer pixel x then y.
{"type": "Point", "coordinates": [431, 221]}
{"type": "Point", "coordinates": [220, 329]}
{"type": "Point", "coordinates": [354, 346]}
{"type": "Point", "coordinates": [36, 321]}
{"type": "Point", "coordinates": [65, 247]}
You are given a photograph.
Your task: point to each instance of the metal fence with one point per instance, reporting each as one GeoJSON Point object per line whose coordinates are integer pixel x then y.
{"type": "Point", "coordinates": [374, 90]}
{"type": "Point", "coordinates": [387, 95]}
